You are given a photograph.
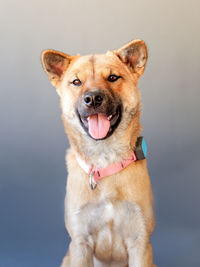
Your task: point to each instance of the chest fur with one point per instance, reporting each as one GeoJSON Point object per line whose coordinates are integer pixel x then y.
{"type": "Point", "coordinates": [109, 228]}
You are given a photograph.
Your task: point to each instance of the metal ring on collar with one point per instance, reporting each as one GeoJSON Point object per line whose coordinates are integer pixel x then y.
{"type": "Point", "coordinates": [93, 184]}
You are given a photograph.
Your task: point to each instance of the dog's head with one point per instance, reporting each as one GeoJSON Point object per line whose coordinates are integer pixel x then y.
{"type": "Point", "coordinates": [99, 95]}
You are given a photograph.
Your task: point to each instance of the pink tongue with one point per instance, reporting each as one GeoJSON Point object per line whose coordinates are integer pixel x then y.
{"type": "Point", "coordinates": [99, 126]}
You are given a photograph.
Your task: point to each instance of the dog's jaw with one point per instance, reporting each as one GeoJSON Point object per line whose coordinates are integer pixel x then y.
{"type": "Point", "coordinates": [112, 149]}
{"type": "Point", "coordinates": [113, 121]}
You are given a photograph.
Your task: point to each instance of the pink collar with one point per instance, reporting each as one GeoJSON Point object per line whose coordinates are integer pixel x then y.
{"type": "Point", "coordinates": [99, 173]}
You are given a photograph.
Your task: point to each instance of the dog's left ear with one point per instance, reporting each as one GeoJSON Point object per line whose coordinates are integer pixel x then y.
{"type": "Point", "coordinates": [134, 55]}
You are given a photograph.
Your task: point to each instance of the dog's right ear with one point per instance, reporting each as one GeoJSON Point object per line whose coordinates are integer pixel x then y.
{"type": "Point", "coordinates": [55, 63]}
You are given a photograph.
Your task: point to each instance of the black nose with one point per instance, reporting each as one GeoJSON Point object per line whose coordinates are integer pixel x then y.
{"type": "Point", "coordinates": [93, 98]}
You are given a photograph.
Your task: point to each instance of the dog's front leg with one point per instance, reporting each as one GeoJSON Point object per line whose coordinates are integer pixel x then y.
{"type": "Point", "coordinates": [135, 257]}
{"type": "Point", "coordinates": [140, 255]}
{"type": "Point", "coordinates": [81, 255]}
{"type": "Point", "coordinates": [136, 252]}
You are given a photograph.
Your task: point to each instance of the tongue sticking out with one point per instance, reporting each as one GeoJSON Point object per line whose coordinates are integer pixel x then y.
{"type": "Point", "coordinates": [99, 126]}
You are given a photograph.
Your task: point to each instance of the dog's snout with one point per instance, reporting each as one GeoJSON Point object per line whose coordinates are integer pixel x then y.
{"type": "Point", "coordinates": [93, 98]}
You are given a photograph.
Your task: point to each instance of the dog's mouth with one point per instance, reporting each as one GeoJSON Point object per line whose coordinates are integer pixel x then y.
{"type": "Point", "coordinates": [100, 126]}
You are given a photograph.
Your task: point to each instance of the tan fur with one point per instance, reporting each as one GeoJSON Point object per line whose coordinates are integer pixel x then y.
{"type": "Point", "coordinates": [112, 225]}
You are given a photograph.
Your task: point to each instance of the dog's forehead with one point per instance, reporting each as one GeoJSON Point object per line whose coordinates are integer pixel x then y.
{"type": "Point", "coordinates": [96, 64]}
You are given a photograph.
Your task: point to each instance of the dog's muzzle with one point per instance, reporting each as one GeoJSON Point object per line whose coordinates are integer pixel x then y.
{"type": "Point", "coordinates": [99, 113]}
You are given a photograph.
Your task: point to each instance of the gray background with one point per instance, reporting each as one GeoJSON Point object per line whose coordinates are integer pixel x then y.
{"type": "Point", "coordinates": [33, 144]}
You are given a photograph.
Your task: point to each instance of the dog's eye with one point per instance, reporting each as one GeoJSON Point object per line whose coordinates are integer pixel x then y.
{"type": "Point", "coordinates": [77, 82]}
{"type": "Point", "coordinates": [113, 78]}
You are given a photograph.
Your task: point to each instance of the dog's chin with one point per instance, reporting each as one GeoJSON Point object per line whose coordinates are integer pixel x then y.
{"type": "Point", "coordinates": [114, 118]}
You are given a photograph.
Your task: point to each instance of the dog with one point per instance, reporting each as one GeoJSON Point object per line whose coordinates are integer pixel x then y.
{"type": "Point", "coordinates": [109, 211]}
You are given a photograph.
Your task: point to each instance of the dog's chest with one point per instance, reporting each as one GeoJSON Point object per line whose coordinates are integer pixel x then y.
{"type": "Point", "coordinates": [109, 227]}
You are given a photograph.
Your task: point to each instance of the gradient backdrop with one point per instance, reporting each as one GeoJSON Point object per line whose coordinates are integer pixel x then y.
{"type": "Point", "coordinates": [33, 144]}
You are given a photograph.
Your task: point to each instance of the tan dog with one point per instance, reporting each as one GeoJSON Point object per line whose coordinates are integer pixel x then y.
{"type": "Point", "coordinates": [111, 225]}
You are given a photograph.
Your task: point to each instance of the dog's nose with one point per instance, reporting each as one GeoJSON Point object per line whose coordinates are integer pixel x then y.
{"type": "Point", "coordinates": [93, 98]}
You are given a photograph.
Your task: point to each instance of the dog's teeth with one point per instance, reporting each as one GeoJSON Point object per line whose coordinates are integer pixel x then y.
{"type": "Point", "coordinates": [88, 118]}
{"type": "Point", "coordinates": [109, 117]}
